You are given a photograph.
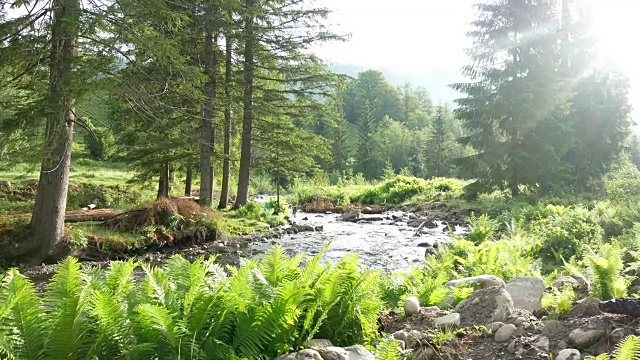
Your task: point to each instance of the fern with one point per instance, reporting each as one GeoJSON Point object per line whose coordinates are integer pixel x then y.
{"type": "Point", "coordinates": [608, 280]}
{"type": "Point", "coordinates": [22, 319]}
{"type": "Point", "coordinates": [68, 322]}
{"type": "Point", "coordinates": [388, 349]}
{"type": "Point", "coordinates": [628, 349]}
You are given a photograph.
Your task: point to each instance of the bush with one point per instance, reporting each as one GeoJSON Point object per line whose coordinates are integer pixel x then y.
{"type": "Point", "coordinates": [481, 229]}
{"type": "Point", "coordinates": [563, 233]}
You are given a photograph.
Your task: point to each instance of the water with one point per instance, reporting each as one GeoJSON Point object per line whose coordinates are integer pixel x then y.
{"type": "Point", "coordinates": [387, 244]}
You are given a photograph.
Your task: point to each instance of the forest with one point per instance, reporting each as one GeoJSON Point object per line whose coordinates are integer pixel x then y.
{"type": "Point", "coordinates": [136, 137]}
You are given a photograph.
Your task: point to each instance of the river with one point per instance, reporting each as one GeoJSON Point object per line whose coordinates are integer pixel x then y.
{"type": "Point", "coordinates": [389, 244]}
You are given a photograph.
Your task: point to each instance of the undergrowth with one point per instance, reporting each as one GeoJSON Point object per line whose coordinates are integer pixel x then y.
{"type": "Point", "coordinates": [188, 310]}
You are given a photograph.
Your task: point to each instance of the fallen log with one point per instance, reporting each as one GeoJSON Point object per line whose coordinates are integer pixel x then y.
{"type": "Point", "coordinates": [79, 215]}
{"type": "Point", "coordinates": [89, 215]}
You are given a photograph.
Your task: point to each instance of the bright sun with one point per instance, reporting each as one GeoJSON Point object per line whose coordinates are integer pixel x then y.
{"type": "Point", "coordinates": [616, 24]}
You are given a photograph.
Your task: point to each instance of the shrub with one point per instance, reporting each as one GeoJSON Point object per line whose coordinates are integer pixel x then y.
{"type": "Point", "coordinates": [563, 233]}
{"type": "Point", "coordinates": [606, 270]}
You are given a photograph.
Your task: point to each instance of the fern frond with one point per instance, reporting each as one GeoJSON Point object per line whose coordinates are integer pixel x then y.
{"type": "Point", "coordinates": [628, 348]}
{"type": "Point", "coordinates": [388, 349]}
{"type": "Point", "coordinates": [67, 325]}
{"type": "Point", "coordinates": [22, 320]}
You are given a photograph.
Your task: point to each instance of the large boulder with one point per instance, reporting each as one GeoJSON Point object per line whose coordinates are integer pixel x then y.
{"type": "Point", "coordinates": [308, 354]}
{"type": "Point", "coordinates": [484, 281]}
{"type": "Point", "coordinates": [526, 292]}
{"type": "Point", "coordinates": [485, 306]}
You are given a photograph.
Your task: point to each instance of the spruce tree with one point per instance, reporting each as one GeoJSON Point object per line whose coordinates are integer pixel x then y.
{"type": "Point", "coordinates": [516, 96]}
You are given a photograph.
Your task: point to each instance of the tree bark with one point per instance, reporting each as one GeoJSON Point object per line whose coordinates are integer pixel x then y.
{"type": "Point", "coordinates": [164, 181]}
{"type": "Point", "coordinates": [226, 165]}
{"type": "Point", "coordinates": [188, 182]}
{"type": "Point", "coordinates": [207, 129]}
{"type": "Point", "coordinates": [47, 222]}
{"type": "Point", "coordinates": [242, 195]}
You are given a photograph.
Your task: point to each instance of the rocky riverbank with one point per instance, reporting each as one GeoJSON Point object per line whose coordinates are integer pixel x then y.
{"type": "Point", "coordinates": [496, 322]}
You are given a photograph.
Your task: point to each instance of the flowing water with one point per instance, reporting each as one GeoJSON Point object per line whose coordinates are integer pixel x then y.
{"type": "Point", "coordinates": [388, 244]}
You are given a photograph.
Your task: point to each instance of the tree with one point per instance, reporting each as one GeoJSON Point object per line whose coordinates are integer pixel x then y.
{"type": "Point", "coordinates": [249, 37]}
{"type": "Point", "coordinates": [277, 36]}
{"type": "Point", "coordinates": [207, 131]}
{"type": "Point", "coordinates": [367, 163]}
{"type": "Point", "coordinates": [516, 98]}
{"type": "Point", "coordinates": [228, 84]}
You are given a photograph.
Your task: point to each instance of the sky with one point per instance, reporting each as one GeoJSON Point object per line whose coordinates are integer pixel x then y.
{"type": "Point", "coordinates": [429, 36]}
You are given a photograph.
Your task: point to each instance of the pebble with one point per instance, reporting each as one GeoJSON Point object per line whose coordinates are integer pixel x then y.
{"type": "Point", "coordinates": [495, 326]}
{"type": "Point", "coordinates": [512, 347]}
{"type": "Point", "coordinates": [568, 354]}
{"type": "Point", "coordinates": [505, 333]}
{"type": "Point", "coordinates": [519, 321]}
{"type": "Point", "coordinates": [411, 306]}
{"type": "Point", "coordinates": [401, 335]}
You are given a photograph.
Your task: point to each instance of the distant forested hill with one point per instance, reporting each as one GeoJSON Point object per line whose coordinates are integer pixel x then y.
{"type": "Point", "coordinates": [435, 82]}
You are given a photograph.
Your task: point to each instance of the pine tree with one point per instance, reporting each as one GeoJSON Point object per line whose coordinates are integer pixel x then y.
{"type": "Point", "coordinates": [516, 96]}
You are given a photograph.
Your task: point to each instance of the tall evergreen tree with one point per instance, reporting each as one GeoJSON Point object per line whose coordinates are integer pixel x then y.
{"type": "Point", "coordinates": [516, 97]}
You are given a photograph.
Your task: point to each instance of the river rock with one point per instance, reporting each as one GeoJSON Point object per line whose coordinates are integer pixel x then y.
{"type": "Point", "coordinates": [504, 333]}
{"type": "Point", "coordinates": [358, 352]}
{"type": "Point", "coordinates": [351, 216]}
{"type": "Point", "coordinates": [542, 343]}
{"type": "Point", "coordinates": [568, 354]}
{"type": "Point", "coordinates": [287, 357]}
{"type": "Point", "coordinates": [495, 326]}
{"type": "Point", "coordinates": [485, 281]}
{"type": "Point", "coordinates": [304, 228]}
{"type": "Point", "coordinates": [401, 335]}
{"type": "Point", "coordinates": [308, 354]}
{"type": "Point", "coordinates": [316, 344]}
{"type": "Point", "coordinates": [411, 306]}
{"type": "Point", "coordinates": [485, 306]}
{"type": "Point", "coordinates": [334, 353]}
{"type": "Point", "coordinates": [526, 292]}
{"type": "Point", "coordinates": [451, 320]}
{"type": "Point", "coordinates": [582, 338]}
{"type": "Point", "coordinates": [580, 285]}
{"type": "Point", "coordinates": [519, 321]}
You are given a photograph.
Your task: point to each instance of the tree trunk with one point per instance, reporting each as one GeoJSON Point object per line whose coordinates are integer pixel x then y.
{"type": "Point", "coordinates": [226, 165]}
{"type": "Point", "coordinates": [242, 195]}
{"type": "Point", "coordinates": [164, 181]}
{"type": "Point", "coordinates": [47, 222]}
{"type": "Point", "coordinates": [207, 130]}
{"type": "Point", "coordinates": [188, 182]}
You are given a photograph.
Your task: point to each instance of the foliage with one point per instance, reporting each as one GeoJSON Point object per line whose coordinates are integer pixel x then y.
{"type": "Point", "coordinates": [481, 229]}
{"type": "Point", "coordinates": [562, 233]}
{"type": "Point", "coordinates": [627, 349]}
{"type": "Point", "coordinates": [388, 349]}
{"type": "Point", "coordinates": [606, 269]}
{"type": "Point", "coordinates": [400, 189]}
{"type": "Point", "coordinates": [559, 301]}
{"type": "Point", "coordinates": [188, 310]}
